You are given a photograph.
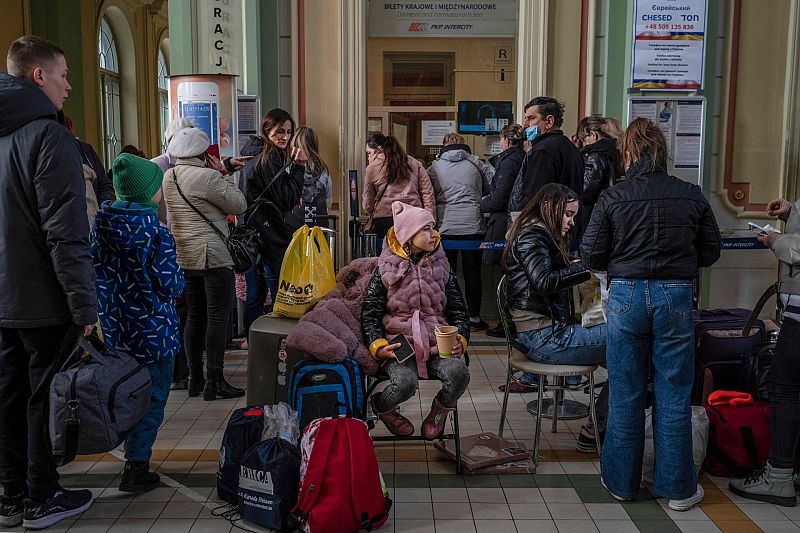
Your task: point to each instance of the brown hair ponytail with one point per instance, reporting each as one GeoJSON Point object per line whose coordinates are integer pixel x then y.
{"type": "Point", "coordinates": [396, 162]}
{"type": "Point", "coordinates": [643, 140]}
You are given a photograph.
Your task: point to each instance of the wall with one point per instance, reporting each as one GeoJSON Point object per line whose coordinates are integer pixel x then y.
{"type": "Point", "coordinates": [760, 85]}
{"type": "Point", "coordinates": [16, 22]}
{"type": "Point", "coordinates": [752, 106]}
{"type": "Point", "coordinates": [563, 58]}
{"type": "Point", "coordinates": [322, 81]}
{"type": "Point", "coordinates": [474, 68]}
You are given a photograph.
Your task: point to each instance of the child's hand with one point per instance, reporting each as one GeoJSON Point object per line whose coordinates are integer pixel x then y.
{"type": "Point", "coordinates": [457, 348]}
{"type": "Point", "coordinates": [387, 352]}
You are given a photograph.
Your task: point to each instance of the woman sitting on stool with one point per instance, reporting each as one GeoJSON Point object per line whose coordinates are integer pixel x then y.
{"type": "Point", "coordinates": [541, 274]}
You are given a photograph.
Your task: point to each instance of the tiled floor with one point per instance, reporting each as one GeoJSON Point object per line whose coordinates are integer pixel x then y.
{"type": "Point", "coordinates": [564, 495]}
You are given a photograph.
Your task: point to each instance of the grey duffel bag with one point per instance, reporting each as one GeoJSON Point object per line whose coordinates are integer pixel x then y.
{"type": "Point", "coordinates": [96, 400]}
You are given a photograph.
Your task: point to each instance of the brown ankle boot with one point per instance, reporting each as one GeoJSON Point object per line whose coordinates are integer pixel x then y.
{"type": "Point", "coordinates": [394, 421]}
{"type": "Point", "coordinates": [433, 425]}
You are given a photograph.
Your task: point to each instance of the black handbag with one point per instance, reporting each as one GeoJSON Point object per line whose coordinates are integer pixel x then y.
{"type": "Point", "coordinates": [243, 240]}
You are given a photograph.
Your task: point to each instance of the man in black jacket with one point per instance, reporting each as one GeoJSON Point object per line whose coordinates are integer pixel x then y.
{"type": "Point", "coordinates": [552, 157]}
{"type": "Point", "coordinates": [47, 292]}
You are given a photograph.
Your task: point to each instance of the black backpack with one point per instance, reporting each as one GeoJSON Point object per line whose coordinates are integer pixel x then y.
{"type": "Point", "coordinates": [269, 481]}
{"type": "Point", "coordinates": [320, 390]}
{"type": "Point", "coordinates": [242, 432]}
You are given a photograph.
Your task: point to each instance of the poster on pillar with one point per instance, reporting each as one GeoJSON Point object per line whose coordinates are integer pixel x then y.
{"type": "Point", "coordinates": [682, 121]}
{"type": "Point", "coordinates": [218, 42]}
{"type": "Point", "coordinates": [668, 45]}
{"type": "Point", "coordinates": [209, 101]}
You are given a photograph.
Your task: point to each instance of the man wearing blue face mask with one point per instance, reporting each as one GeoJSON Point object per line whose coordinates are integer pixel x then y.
{"type": "Point", "coordinates": [552, 157]}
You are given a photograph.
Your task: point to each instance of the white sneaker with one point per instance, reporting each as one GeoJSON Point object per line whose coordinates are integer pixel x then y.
{"type": "Point", "coordinates": [620, 498]}
{"type": "Point", "coordinates": [688, 503]}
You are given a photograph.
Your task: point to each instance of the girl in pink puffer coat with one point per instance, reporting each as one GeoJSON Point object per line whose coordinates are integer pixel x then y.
{"type": "Point", "coordinates": [413, 291]}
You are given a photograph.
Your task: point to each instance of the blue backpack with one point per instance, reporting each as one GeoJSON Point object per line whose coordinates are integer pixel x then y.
{"type": "Point", "coordinates": [320, 390]}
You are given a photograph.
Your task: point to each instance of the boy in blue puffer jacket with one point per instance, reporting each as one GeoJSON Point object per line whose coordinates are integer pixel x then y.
{"type": "Point", "coordinates": [138, 279]}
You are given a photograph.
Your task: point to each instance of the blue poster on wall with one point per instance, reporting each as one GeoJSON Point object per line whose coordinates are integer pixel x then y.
{"type": "Point", "coordinates": [203, 115]}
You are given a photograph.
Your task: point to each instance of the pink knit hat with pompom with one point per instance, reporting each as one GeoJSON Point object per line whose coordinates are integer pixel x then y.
{"type": "Point", "coordinates": [408, 220]}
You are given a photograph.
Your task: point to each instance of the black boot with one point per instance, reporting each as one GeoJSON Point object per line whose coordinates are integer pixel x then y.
{"type": "Point", "coordinates": [137, 478]}
{"type": "Point", "coordinates": [181, 384]}
{"type": "Point", "coordinates": [218, 388]}
{"type": "Point", "coordinates": [196, 384]}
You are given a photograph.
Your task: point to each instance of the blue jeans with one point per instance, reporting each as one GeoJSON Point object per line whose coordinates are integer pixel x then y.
{"type": "Point", "coordinates": [572, 345]}
{"type": "Point", "coordinates": [259, 279]}
{"type": "Point", "coordinates": [563, 344]}
{"type": "Point", "coordinates": [650, 322]}
{"type": "Point", "coordinates": [139, 444]}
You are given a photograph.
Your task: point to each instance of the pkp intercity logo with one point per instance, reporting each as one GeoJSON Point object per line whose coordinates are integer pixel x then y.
{"type": "Point", "coordinates": [418, 27]}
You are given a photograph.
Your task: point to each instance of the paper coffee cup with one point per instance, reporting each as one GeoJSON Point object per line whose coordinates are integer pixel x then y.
{"type": "Point", "coordinates": [446, 338]}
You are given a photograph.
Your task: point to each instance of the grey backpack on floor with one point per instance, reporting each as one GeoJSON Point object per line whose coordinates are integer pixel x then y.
{"type": "Point", "coordinates": [96, 401]}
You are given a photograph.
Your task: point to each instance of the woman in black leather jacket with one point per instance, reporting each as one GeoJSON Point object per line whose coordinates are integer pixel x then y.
{"type": "Point", "coordinates": [540, 277]}
{"type": "Point", "coordinates": [602, 164]}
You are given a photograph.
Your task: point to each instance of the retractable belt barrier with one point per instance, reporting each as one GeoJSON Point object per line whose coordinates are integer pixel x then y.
{"type": "Point", "coordinates": [734, 243]}
{"type": "Point", "coordinates": [370, 245]}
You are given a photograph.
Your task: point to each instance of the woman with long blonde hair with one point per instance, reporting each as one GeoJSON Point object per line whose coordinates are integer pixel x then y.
{"type": "Point", "coordinates": [317, 196]}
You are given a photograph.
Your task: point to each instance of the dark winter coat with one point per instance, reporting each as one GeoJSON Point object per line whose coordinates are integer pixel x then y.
{"type": "Point", "coordinates": [506, 167]}
{"type": "Point", "coordinates": [46, 274]}
{"type": "Point", "coordinates": [552, 159]}
{"type": "Point", "coordinates": [412, 296]}
{"type": "Point", "coordinates": [602, 169]}
{"type": "Point", "coordinates": [538, 276]}
{"type": "Point", "coordinates": [651, 226]}
{"type": "Point", "coordinates": [102, 185]}
{"type": "Point", "coordinates": [138, 279]}
{"type": "Point", "coordinates": [274, 216]}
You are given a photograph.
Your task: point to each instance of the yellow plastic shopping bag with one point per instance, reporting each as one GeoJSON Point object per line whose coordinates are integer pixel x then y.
{"type": "Point", "coordinates": [306, 273]}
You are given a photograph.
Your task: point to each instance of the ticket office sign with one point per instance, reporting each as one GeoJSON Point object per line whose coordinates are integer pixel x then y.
{"type": "Point", "coordinates": [668, 45]}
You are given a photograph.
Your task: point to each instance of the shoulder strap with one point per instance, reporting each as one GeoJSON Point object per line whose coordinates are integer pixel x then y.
{"type": "Point", "coordinates": [751, 320]}
{"type": "Point", "coordinates": [361, 481]}
{"type": "Point", "coordinates": [479, 169]}
{"type": "Point", "coordinates": [317, 462]}
{"type": "Point", "coordinates": [375, 205]}
{"type": "Point", "coordinates": [274, 179]}
{"type": "Point", "coordinates": [208, 221]}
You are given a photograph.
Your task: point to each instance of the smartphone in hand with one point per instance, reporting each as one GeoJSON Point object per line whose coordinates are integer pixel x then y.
{"type": "Point", "coordinates": [761, 230]}
{"type": "Point", "coordinates": [405, 351]}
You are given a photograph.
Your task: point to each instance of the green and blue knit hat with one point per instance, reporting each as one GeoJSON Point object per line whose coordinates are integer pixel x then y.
{"type": "Point", "coordinates": [136, 179]}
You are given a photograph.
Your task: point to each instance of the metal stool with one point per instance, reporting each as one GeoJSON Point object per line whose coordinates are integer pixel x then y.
{"type": "Point", "coordinates": [455, 436]}
{"type": "Point", "coordinates": [519, 362]}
